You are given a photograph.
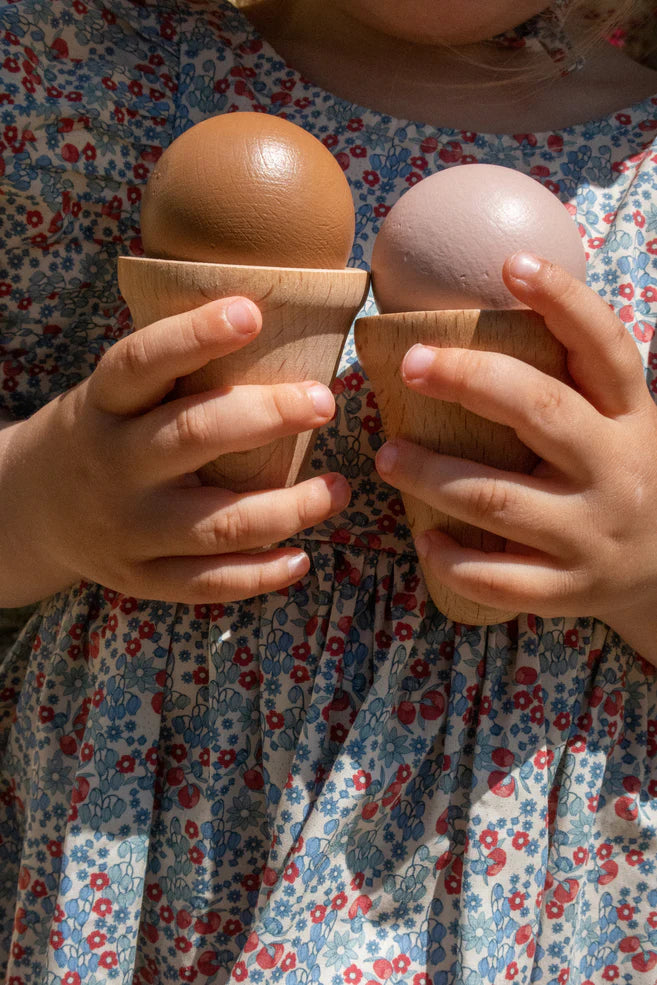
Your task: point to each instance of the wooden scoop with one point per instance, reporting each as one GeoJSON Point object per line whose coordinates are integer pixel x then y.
{"type": "Point", "coordinates": [381, 343]}
{"type": "Point", "coordinates": [306, 315]}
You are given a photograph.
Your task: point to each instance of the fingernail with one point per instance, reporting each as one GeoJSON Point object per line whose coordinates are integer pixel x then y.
{"type": "Point", "coordinates": [340, 490]}
{"type": "Point", "coordinates": [386, 457]}
{"type": "Point", "coordinates": [416, 362]}
{"type": "Point", "coordinates": [524, 266]}
{"type": "Point", "coordinates": [321, 398]}
{"type": "Point", "coordinates": [298, 565]}
{"type": "Point", "coordinates": [242, 317]}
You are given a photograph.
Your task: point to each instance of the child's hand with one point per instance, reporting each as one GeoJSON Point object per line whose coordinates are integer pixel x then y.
{"type": "Point", "coordinates": [581, 533]}
{"type": "Point", "coordinates": [103, 478]}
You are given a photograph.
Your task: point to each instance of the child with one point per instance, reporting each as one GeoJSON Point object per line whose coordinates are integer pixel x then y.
{"type": "Point", "coordinates": [288, 766]}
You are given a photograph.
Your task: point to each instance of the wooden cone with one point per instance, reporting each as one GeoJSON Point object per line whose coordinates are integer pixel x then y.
{"type": "Point", "coordinates": [381, 343]}
{"type": "Point", "coordinates": [306, 317]}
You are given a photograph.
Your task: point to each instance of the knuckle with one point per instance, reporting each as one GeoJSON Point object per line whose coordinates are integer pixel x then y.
{"type": "Point", "coordinates": [193, 427]}
{"type": "Point", "coordinates": [195, 328]}
{"type": "Point", "coordinates": [311, 507]}
{"type": "Point", "coordinates": [231, 526]}
{"type": "Point", "coordinates": [132, 355]}
{"type": "Point", "coordinates": [558, 285]}
{"type": "Point", "coordinates": [547, 403]}
{"type": "Point", "coordinates": [492, 500]}
{"type": "Point", "coordinates": [279, 406]}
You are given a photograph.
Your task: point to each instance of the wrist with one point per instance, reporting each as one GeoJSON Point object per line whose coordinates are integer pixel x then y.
{"type": "Point", "coordinates": [637, 626]}
{"type": "Point", "coordinates": [30, 567]}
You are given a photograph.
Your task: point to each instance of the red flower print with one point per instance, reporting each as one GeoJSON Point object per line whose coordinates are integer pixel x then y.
{"type": "Point", "coordinates": [511, 971]}
{"type": "Point", "coordinates": [243, 656]}
{"type": "Point", "coordinates": [517, 901]}
{"type": "Point", "coordinates": [338, 733]}
{"type": "Point", "coordinates": [248, 679]}
{"type": "Point", "coordinates": [126, 764]}
{"type": "Point", "coordinates": [71, 978]}
{"type": "Point", "coordinates": [188, 973]}
{"type": "Point", "coordinates": [401, 963]}
{"type": "Point", "coordinates": [625, 912]}
{"type": "Point", "coordinates": [226, 757]}
{"type": "Point", "coordinates": [240, 974]}
{"type": "Point", "coordinates": [96, 939]}
{"type": "Point", "coordinates": [196, 855]}
{"type": "Point", "coordinates": [554, 909]}
{"type": "Point", "coordinates": [610, 973]}
{"type": "Point", "coordinates": [352, 975]}
{"type": "Point", "coordinates": [634, 857]}
{"type": "Point", "coordinates": [639, 219]}
{"type": "Point", "coordinates": [274, 719]}
{"type": "Point", "coordinates": [56, 941]}
{"type": "Point", "coordinates": [371, 178]}
{"type": "Point", "coordinates": [98, 880]}
{"type": "Point", "coordinates": [200, 675]}
{"type": "Point", "coordinates": [108, 959]}
{"type": "Point", "coordinates": [354, 381]}
{"type": "Point", "coordinates": [580, 855]}
{"type": "Point", "coordinates": [488, 838]}
{"type": "Point", "coordinates": [403, 631]}
{"type": "Point", "coordinates": [291, 872]}
{"type": "Point", "coordinates": [289, 961]}
{"type": "Point", "coordinates": [362, 779]}
{"type": "Point", "coordinates": [339, 901]}
{"type": "Point", "coordinates": [318, 913]}
{"type": "Point", "coordinates": [102, 907]}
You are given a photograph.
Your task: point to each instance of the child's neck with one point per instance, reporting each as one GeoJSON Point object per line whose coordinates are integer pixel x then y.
{"type": "Point", "coordinates": [455, 89]}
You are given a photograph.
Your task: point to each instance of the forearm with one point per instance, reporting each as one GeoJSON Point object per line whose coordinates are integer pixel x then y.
{"type": "Point", "coordinates": [28, 571]}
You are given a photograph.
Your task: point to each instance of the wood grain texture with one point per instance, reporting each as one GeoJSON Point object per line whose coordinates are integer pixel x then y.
{"type": "Point", "coordinates": [382, 342]}
{"type": "Point", "coordinates": [306, 316]}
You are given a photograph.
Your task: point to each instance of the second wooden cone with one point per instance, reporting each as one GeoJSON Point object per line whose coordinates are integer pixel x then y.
{"type": "Point", "coordinates": [306, 316]}
{"type": "Point", "coordinates": [381, 343]}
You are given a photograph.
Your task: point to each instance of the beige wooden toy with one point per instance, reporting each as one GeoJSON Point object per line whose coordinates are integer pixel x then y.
{"type": "Point", "coordinates": [382, 342]}
{"type": "Point", "coordinates": [306, 314]}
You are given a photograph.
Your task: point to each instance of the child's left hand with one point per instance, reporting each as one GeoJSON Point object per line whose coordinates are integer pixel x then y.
{"type": "Point", "coordinates": [581, 531]}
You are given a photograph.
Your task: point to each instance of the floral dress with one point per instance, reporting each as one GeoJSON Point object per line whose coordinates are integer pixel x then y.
{"type": "Point", "coordinates": [332, 783]}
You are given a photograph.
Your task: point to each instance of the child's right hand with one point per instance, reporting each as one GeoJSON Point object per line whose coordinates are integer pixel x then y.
{"type": "Point", "coordinates": [100, 483]}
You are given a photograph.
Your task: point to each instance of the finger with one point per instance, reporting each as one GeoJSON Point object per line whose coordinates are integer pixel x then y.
{"type": "Point", "coordinates": [520, 582]}
{"type": "Point", "coordinates": [139, 370]}
{"type": "Point", "coordinates": [181, 436]}
{"type": "Point", "coordinates": [548, 416]}
{"type": "Point", "coordinates": [211, 521]}
{"type": "Point", "coordinates": [232, 577]}
{"type": "Point", "coordinates": [603, 361]}
{"type": "Point", "coordinates": [513, 506]}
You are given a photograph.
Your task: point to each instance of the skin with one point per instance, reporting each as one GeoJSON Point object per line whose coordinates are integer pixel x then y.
{"type": "Point", "coordinates": [100, 482]}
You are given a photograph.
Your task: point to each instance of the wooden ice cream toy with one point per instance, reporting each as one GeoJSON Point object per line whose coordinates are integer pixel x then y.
{"type": "Point", "coordinates": [437, 279]}
{"type": "Point", "coordinates": [249, 204]}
